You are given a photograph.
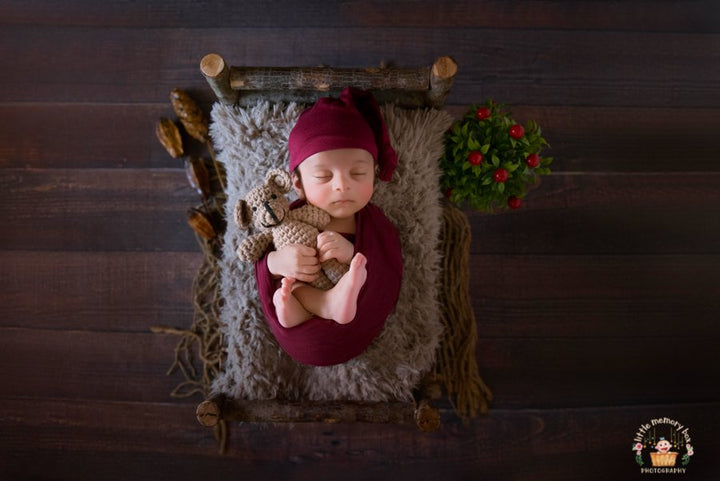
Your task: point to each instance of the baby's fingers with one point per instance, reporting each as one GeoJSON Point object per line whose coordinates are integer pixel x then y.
{"type": "Point", "coordinates": [305, 251]}
{"type": "Point", "coordinates": [306, 277]}
{"type": "Point", "coordinates": [327, 254]}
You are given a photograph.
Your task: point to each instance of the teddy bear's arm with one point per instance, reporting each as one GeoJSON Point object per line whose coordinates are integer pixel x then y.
{"type": "Point", "coordinates": [312, 215]}
{"type": "Point", "coordinates": [253, 247]}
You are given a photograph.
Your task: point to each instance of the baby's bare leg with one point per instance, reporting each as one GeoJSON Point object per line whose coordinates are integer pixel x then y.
{"type": "Point", "coordinates": [340, 302]}
{"type": "Point", "coordinates": [289, 311]}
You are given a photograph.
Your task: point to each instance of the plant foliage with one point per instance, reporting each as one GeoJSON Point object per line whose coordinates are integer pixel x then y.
{"type": "Point", "coordinates": [490, 160]}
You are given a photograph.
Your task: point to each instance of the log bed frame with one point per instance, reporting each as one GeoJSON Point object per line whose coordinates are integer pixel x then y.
{"type": "Point", "coordinates": [408, 87]}
{"type": "Point", "coordinates": [412, 88]}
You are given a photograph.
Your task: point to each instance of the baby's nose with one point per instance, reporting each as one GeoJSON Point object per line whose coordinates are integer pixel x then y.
{"type": "Point", "coordinates": [341, 183]}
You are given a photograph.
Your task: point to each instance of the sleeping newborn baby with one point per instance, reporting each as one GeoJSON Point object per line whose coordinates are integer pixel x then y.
{"type": "Point", "coordinates": [337, 149]}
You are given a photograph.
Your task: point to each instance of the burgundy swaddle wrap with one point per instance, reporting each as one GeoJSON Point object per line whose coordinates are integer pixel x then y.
{"type": "Point", "coordinates": [323, 342]}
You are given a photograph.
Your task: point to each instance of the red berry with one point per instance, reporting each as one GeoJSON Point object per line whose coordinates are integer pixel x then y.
{"type": "Point", "coordinates": [533, 160]}
{"type": "Point", "coordinates": [448, 193]}
{"type": "Point", "coordinates": [516, 131]}
{"type": "Point", "coordinates": [482, 113]}
{"type": "Point", "coordinates": [514, 202]}
{"type": "Point", "coordinates": [475, 157]}
{"type": "Point", "coordinates": [501, 175]}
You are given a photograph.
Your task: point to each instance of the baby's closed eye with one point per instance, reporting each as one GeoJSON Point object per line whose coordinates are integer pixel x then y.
{"type": "Point", "coordinates": [322, 177]}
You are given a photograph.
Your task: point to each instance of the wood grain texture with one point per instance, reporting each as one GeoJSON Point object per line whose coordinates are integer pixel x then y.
{"type": "Point", "coordinates": [140, 209]}
{"type": "Point", "coordinates": [105, 210]}
{"type": "Point", "coordinates": [668, 16]}
{"type": "Point", "coordinates": [109, 440]}
{"type": "Point", "coordinates": [109, 291]}
{"type": "Point", "coordinates": [513, 295]}
{"type": "Point", "coordinates": [570, 213]}
{"type": "Point", "coordinates": [529, 67]}
{"type": "Point", "coordinates": [596, 302]}
{"type": "Point", "coordinates": [649, 213]}
{"type": "Point", "coordinates": [523, 372]}
{"type": "Point", "coordinates": [635, 297]}
{"type": "Point", "coordinates": [583, 139]}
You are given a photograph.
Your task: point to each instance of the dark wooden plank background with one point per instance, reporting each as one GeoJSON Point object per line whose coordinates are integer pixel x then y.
{"type": "Point", "coordinates": [597, 302]}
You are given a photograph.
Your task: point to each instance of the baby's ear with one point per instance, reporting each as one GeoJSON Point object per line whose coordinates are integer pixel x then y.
{"type": "Point", "coordinates": [243, 214]}
{"type": "Point", "coordinates": [298, 185]}
{"type": "Point", "coordinates": [279, 179]}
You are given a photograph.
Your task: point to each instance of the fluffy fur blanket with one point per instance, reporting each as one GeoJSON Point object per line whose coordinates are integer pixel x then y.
{"type": "Point", "coordinates": [250, 141]}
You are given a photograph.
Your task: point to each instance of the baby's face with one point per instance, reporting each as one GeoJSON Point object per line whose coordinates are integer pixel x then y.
{"type": "Point", "coordinates": [663, 446]}
{"type": "Point", "coordinates": [340, 182]}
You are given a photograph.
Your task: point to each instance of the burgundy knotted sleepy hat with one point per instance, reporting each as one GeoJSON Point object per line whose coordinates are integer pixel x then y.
{"type": "Point", "coordinates": [351, 121]}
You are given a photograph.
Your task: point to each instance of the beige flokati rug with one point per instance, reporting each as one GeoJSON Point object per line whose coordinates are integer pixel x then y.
{"type": "Point", "coordinates": [249, 142]}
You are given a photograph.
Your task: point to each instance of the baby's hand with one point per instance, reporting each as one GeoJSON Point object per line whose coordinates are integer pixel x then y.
{"type": "Point", "coordinates": [294, 260]}
{"type": "Point", "coordinates": [333, 245]}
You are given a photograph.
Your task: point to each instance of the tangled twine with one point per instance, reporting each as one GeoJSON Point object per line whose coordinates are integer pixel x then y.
{"type": "Point", "coordinates": [204, 336]}
{"type": "Point", "coordinates": [456, 365]}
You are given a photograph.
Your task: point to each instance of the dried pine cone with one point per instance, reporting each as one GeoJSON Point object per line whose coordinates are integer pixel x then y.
{"type": "Point", "coordinates": [200, 223]}
{"type": "Point", "coordinates": [198, 176]}
{"type": "Point", "coordinates": [190, 114]}
{"type": "Point", "coordinates": [169, 136]}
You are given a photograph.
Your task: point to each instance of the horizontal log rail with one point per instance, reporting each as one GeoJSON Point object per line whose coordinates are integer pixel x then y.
{"type": "Point", "coordinates": [411, 87]}
{"type": "Point", "coordinates": [221, 408]}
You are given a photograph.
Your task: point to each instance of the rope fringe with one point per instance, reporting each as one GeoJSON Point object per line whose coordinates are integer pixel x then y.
{"type": "Point", "coordinates": [204, 338]}
{"type": "Point", "coordinates": [456, 366]}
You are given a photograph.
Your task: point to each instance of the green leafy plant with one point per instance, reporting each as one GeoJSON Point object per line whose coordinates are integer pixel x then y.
{"type": "Point", "coordinates": [491, 161]}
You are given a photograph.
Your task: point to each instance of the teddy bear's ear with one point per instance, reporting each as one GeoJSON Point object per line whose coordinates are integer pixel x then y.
{"type": "Point", "coordinates": [279, 179]}
{"type": "Point", "coordinates": [243, 214]}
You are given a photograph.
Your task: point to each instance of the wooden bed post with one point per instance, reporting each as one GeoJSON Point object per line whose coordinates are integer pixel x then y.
{"type": "Point", "coordinates": [441, 78]}
{"type": "Point", "coordinates": [209, 412]}
{"type": "Point", "coordinates": [217, 74]}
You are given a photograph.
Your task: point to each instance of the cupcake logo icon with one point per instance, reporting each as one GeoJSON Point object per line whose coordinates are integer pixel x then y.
{"type": "Point", "coordinates": [663, 445]}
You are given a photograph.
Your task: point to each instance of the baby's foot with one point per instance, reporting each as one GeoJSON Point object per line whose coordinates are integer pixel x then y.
{"type": "Point", "coordinates": [289, 311]}
{"type": "Point", "coordinates": [343, 300]}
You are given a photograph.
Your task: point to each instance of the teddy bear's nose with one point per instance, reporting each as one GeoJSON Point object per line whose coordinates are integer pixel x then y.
{"type": "Point", "coordinates": [271, 212]}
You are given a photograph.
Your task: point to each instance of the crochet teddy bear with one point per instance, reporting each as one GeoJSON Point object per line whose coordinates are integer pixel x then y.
{"type": "Point", "coordinates": [267, 209]}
